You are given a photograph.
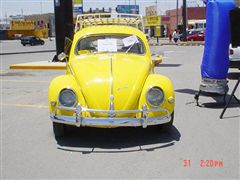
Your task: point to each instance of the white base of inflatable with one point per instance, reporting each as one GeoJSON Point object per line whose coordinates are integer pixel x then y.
{"type": "Point", "coordinates": [218, 86]}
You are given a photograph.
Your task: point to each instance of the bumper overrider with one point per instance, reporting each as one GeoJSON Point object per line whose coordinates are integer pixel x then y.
{"type": "Point", "coordinates": [110, 121]}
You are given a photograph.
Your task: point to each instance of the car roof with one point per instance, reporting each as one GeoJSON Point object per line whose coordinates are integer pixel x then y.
{"type": "Point", "coordinates": [110, 29]}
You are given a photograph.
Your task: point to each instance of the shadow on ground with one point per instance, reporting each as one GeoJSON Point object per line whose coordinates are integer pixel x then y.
{"type": "Point", "coordinates": [168, 65]}
{"type": "Point", "coordinates": [215, 101]}
{"type": "Point", "coordinates": [118, 140]}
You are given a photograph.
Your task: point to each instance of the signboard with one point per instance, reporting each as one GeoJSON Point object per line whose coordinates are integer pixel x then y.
{"type": "Point", "coordinates": [129, 9]}
{"type": "Point", "coordinates": [151, 11]}
{"type": "Point", "coordinates": [153, 21]}
{"type": "Point", "coordinates": [77, 7]}
{"type": "Point", "coordinates": [165, 19]}
{"type": "Point", "coordinates": [22, 25]}
{"type": "Point", "coordinates": [157, 31]}
{"type": "Point", "coordinates": [77, 2]}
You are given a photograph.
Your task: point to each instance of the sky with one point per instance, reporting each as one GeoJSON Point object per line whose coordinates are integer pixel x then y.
{"type": "Point", "coordinates": [14, 7]}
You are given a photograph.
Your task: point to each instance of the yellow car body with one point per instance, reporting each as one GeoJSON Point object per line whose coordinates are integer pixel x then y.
{"type": "Point", "coordinates": [110, 87]}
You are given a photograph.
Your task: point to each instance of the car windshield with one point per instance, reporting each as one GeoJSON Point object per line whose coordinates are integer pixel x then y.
{"type": "Point", "coordinates": [195, 32]}
{"type": "Point", "coordinates": [110, 43]}
{"type": "Point", "coordinates": [27, 37]}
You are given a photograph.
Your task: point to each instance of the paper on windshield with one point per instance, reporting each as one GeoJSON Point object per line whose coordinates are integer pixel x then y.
{"type": "Point", "coordinates": [107, 45]}
{"type": "Point", "coordinates": [130, 41]}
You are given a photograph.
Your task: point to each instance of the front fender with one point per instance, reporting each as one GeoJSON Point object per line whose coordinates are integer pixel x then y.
{"type": "Point", "coordinates": [167, 87]}
{"type": "Point", "coordinates": [59, 83]}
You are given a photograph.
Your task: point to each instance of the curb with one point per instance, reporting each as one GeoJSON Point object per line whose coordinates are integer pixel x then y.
{"type": "Point", "coordinates": [29, 52]}
{"type": "Point", "coordinates": [40, 65]}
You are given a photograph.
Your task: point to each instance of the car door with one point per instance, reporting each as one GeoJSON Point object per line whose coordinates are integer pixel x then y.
{"type": "Point", "coordinates": [38, 41]}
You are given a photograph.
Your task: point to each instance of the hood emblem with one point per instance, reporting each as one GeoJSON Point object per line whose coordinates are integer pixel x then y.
{"type": "Point", "coordinates": [111, 113]}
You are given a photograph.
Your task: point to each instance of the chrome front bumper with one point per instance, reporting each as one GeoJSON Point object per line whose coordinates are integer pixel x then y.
{"type": "Point", "coordinates": [111, 121]}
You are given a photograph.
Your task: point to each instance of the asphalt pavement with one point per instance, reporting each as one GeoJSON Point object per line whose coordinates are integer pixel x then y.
{"type": "Point", "coordinates": [15, 46]}
{"type": "Point", "coordinates": [199, 146]}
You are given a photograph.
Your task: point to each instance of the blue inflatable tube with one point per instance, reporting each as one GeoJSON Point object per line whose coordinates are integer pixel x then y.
{"type": "Point", "coordinates": [217, 39]}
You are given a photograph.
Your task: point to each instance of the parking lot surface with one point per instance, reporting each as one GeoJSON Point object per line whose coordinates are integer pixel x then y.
{"type": "Point", "coordinates": [200, 145]}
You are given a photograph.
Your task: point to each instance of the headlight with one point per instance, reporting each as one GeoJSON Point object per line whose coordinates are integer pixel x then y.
{"type": "Point", "coordinates": [67, 98]}
{"type": "Point", "coordinates": [155, 96]}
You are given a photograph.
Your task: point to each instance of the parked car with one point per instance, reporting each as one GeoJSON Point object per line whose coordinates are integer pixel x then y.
{"type": "Point", "coordinates": [31, 40]}
{"type": "Point", "coordinates": [190, 33]}
{"type": "Point", "coordinates": [234, 57]}
{"type": "Point", "coordinates": [110, 82]}
{"type": "Point", "coordinates": [196, 37]}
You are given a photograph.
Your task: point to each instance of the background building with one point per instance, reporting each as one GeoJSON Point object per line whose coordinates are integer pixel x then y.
{"type": "Point", "coordinates": [196, 18]}
{"type": "Point", "coordinates": [43, 21]}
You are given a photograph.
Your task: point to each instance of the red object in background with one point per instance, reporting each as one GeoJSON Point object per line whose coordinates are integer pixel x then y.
{"type": "Point", "coordinates": [196, 37]}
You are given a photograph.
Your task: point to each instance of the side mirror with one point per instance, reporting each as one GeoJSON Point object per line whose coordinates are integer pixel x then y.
{"type": "Point", "coordinates": [62, 56]}
{"type": "Point", "coordinates": [157, 59]}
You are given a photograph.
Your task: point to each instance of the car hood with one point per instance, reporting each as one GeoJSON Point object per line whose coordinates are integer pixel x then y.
{"type": "Point", "coordinates": [102, 75]}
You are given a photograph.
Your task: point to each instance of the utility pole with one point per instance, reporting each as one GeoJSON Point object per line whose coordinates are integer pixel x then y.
{"type": "Point", "coordinates": [129, 5]}
{"type": "Point", "coordinates": [177, 15]}
{"type": "Point", "coordinates": [6, 17]}
{"type": "Point", "coordinates": [184, 15]}
{"type": "Point", "coordinates": [135, 8]}
{"type": "Point", "coordinates": [82, 7]}
{"type": "Point", "coordinates": [156, 4]}
{"type": "Point", "coordinates": [41, 6]}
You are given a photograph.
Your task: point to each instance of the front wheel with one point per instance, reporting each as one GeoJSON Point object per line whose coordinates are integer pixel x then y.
{"type": "Point", "coordinates": [58, 129]}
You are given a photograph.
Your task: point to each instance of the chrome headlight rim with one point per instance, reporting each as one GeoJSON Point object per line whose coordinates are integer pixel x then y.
{"type": "Point", "coordinates": [163, 98]}
{"type": "Point", "coordinates": [73, 92]}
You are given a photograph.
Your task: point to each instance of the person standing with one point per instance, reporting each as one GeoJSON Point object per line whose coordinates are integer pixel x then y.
{"type": "Point", "coordinates": [175, 36]}
{"type": "Point", "coordinates": [170, 37]}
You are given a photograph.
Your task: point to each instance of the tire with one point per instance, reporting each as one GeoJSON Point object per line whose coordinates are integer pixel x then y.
{"type": "Point", "coordinates": [58, 129]}
{"type": "Point", "coordinates": [168, 126]}
{"type": "Point", "coordinates": [31, 44]}
{"type": "Point", "coordinates": [42, 43]}
{"type": "Point", "coordinates": [24, 44]}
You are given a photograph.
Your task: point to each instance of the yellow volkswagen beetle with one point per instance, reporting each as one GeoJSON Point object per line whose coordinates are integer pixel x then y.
{"type": "Point", "coordinates": [110, 82]}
